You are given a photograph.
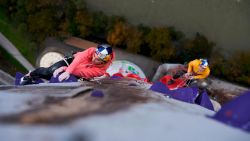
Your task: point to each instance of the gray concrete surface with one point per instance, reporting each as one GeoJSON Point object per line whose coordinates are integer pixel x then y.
{"type": "Point", "coordinates": [6, 79]}
{"type": "Point", "coordinates": [163, 69]}
{"type": "Point", "coordinates": [124, 112]}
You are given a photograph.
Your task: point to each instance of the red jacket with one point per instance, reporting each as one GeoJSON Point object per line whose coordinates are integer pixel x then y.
{"type": "Point", "coordinates": [82, 65]}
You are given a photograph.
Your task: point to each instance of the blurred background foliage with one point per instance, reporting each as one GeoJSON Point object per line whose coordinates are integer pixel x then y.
{"type": "Point", "coordinates": [38, 20]}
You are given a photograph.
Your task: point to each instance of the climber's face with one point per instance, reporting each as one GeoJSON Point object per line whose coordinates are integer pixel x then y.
{"type": "Point", "coordinates": [96, 60]}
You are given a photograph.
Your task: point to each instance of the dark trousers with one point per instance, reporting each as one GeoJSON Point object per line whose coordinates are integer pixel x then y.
{"type": "Point", "coordinates": [47, 73]}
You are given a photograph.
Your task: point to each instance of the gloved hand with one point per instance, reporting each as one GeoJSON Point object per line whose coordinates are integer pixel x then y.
{"type": "Point", "coordinates": [57, 71]}
{"type": "Point", "coordinates": [191, 77]}
{"type": "Point", "coordinates": [64, 76]}
{"type": "Point", "coordinates": [187, 75]}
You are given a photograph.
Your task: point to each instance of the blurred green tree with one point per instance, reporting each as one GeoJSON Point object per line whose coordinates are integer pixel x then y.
{"type": "Point", "coordinates": [175, 34]}
{"type": "Point", "coordinates": [199, 47]}
{"type": "Point", "coordinates": [159, 41]}
{"type": "Point", "coordinates": [83, 22]}
{"type": "Point", "coordinates": [134, 40]}
{"type": "Point", "coordinates": [144, 48]}
{"type": "Point", "coordinates": [239, 67]}
{"type": "Point", "coordinates": [4, 3]}
{"type": "Point", "coordinates": [41, 24]}
{"type": "Point", "coordinates": [118, 35]}
{"type": "Point", "coordinates": [67, 25]}
{"type": "Point", "coordinates": [99, 25]}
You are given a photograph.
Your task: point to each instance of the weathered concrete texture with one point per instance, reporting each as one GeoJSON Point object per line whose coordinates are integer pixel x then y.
{"type": "Point", "coordinates": [171, 120]}
{"type": "Point", "coordinates": [124, 111]}
{"type": "Point", "coordinates": [49, 91]}
{"type": "Point", "coordinates": [11, 103]}
{"type": "Point", "coordinates": [155, 121]}
{"type": "Point", "coordinates": [117, 95]}
{"type": "Point", "coordinates": [14, 99]}
{"type": "Point", "coordinates": [227, 87]}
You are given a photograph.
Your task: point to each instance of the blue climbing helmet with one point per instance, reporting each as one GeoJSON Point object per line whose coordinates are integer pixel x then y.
{"type": "Point", "coordinates": [104, 52]}
{"type": "Point", "coordinates": [204, 63]}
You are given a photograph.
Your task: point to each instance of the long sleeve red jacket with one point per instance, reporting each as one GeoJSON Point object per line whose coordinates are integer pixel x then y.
{"type": "Point", "coordinates": [82, 65]}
